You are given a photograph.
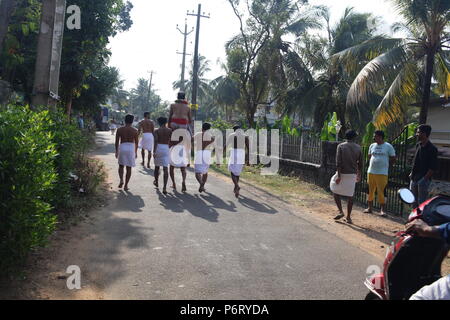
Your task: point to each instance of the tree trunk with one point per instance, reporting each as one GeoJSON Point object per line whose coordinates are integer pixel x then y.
{"type": "Point", "coordinates": [69, 106]}
{"type": "Point", "coordinates": [427, 87]}
{"type": "Point", "coordinates": [6, 10]}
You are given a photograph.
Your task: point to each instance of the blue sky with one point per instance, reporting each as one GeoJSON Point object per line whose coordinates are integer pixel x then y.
{"type": "Point", "coordinates": [153, 41]}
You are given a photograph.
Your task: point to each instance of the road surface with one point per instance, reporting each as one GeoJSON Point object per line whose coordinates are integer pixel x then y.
{"type": "Point", "coordinates": [144, 245]}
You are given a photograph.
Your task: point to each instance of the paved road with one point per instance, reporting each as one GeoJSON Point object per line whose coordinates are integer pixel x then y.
{"type": "Point", "coordinates": [213, 246]}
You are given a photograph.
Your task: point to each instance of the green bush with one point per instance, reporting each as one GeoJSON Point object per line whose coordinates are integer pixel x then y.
{"type": "Point", "coordinates": [70, 142]}
{"type": "Point", "coordinates": [27, 176]}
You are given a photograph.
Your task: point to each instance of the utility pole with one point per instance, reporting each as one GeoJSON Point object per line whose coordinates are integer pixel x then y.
{"type": "Point", "coordinates": [183, 65]}
{"type": "Point", "coordinates": [199, 15]}
{"type": "Point", "coordinates": [48, 60]}
{"type": "Point", "coordinates": [150, 87]}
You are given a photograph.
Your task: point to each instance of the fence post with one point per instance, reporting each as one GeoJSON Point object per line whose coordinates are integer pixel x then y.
{"type": "Point", "coordinates": [301, 147]}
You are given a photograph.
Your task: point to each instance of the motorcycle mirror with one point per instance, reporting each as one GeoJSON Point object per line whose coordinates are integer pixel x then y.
{"type": "Point", "coordinates": [406, 196]}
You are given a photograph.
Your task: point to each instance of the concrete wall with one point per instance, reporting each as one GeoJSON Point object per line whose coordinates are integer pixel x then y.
{"type": "Point", "coordinates": [439, 119]}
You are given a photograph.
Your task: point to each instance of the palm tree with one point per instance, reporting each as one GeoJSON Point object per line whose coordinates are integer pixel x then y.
{"type": "Point", "coordinates": [226, 93]}
{"type": "Point", "coordinates": [326, 91]}
{"type": "Point", "coordinates": [204, 88]}
{"type": "Point", "coordinates": [406, 66]}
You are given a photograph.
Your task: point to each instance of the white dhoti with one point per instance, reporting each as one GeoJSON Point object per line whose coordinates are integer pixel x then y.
{"type": "Point", "coordinates": [127, 154]}
{"type": "Point", "coordinates": [236, 161]}
{"type": "Point", "coordinates": [202, 161]}
{"type": "Point", "coordinates": [346, 187]}
{"type": "Point", "coordinates": [162, 155]}
{"type": "Point", "coordinates": [147, 141]}
{"type": "Point", "coordinates": [179, 156]}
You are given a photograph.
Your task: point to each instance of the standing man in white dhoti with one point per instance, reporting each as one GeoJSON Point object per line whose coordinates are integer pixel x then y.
{"type": "Point", "coordinates": [349, 165]}
{"type": "Point", "coordinates": [127, 140]}
{"type": "Point", "coordinates": [161, 151]}
{"type": "Point", "coordinates": [202, 158]}
{"type": "Point", "coordinates": [146, 127]}
{"type": "Point", "coordinates": [239, 143]}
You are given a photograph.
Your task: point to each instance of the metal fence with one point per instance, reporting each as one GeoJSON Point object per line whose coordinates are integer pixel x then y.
{"type": "Point", "coordinates": [398, 176]}
{"type": "Point", "coordinates": [303, 148]}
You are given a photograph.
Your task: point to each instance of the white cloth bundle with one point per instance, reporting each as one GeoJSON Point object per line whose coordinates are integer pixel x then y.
{"type": "Point", "coordinates": [236, 161]}
{"type": "Point", "coordinates": [202, 161]}
{"type": "Point", "coordinates": [127, 154]}
{"type": "Point", "coordinates": [147, 141]}
{"type": "Point", "coordinates": [179, 156]}
{"type": "Point", "coordinates": [162, 155]}
{"type": "Point", "coordinates": [346, 187]}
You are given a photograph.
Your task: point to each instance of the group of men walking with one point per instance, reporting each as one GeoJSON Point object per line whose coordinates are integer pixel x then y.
{"type": "Point", "coordinates": [381, 157]}
{"type": "Point", "coordinates": [170, 146]}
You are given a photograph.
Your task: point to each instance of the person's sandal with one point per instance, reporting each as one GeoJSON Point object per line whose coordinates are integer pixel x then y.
{"type": "Point", "coordinates": [348, 220]}
{"type": "Point", "coordinates": [367, 211]}
{"type": "Point", "coordinates": [339, 216]}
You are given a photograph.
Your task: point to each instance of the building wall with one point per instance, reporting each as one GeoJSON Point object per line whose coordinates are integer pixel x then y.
{"type": "Point", "coordinates": [439, 119]}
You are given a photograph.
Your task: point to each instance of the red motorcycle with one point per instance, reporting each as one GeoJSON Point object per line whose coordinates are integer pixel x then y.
{"type": "Point", "coordinates": [412, 262]}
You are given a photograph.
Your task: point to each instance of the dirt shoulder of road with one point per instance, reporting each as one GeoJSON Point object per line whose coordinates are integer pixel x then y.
{"type": "Point", "coordinates": [369, 232]}
{"type": "Point", "coordinates": [43, 276]}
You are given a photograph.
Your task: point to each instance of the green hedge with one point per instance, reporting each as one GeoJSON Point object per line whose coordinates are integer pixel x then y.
{"type": "Point", "coordinates": [37, 153]}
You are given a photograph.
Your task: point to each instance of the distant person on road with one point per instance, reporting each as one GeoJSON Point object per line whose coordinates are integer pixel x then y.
{"type": "Point", "coordinates": [425, 163]}
{"type": "Point", "coordinates": [202, 158]}
{"type": "Point", "coordinates": [146, 127]}
{"type": "Point", "coordinates": [239, 143]}
{"type": "Point", "coordinates": [80, 121]}
{"type": "Point", "coordinates": [180, 115]}
{"type": "Point", "coordinates": [348, 164]}
{"type": "Point", "coordinates": [127, 140]}
{"type": "Point", "coordinates": [381, 156]}
{"type": "Point", "coordinates": [113, 127]}
{"type": "Point", "coordinates": [161, 151]}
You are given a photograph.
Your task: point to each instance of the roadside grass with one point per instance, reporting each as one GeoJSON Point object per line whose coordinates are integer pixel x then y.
{"type": "Point", "coordinates": [291, 189]}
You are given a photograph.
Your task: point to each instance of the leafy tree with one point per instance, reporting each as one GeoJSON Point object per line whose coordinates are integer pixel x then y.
{"type": "Point", "coordinates": [86, 49]}
{"type": "Point", "coordinates": [331, 82]}
{"type": "Point", "coordinates": [405, 67]}
{"type": "Point", "coordinates": [142, 99]}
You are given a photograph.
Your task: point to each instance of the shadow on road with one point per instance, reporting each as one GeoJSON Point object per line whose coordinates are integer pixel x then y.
{"type": "Point", "coordinates": [127, 201]}
{"type": "Point", "coordinates": [256, 206]}
{"type": "Point", "coordinates": [370, 233]}
{"type": "Point", "coordinates": [179, 202]}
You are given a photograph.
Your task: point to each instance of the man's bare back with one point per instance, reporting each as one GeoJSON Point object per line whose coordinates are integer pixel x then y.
{"type": "Point", "coordinates": [162, 135]}
{"type": "Point", "coordinates": [127, 134]}
{"type": "Point", "coordinates": [146, 126]}
{"type": "Point", "coordinates": [180, 111]}
{"type": "Point", "coordinates": [203, 140]}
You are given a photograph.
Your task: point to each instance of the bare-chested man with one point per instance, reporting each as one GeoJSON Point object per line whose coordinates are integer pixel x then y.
{"type": "Point", "coordinates": [240, 143]}
{"type": "Point", "coordinates": [161, 151]}
{"type": "Point", "coordinates": [203, 155]}
{"type": "Point", "coordinates": [146, 127]}
{"type": "Point", "coordinates": [180, 115]}
{"type": "Point", "coordinates": [127, 140]}
{"type": "Point", "coordinates": [179, 157]}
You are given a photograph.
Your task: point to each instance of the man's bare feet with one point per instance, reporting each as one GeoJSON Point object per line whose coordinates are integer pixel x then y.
{"type": "Point", "coordinates": [349, 220]}
{"type": "Point", "coordinates": [174, 187]}
{"type": "Point", "coordinates": [155, 183]}
{"type": "Point", "coordinates": [148, 165]}
{"type": "Point", "coordinates": [339, 216]}
{"type": "Point", "coordinates": [120, 185]}
{"type": "Point", "coordinates": [236, 192]}
{"type": "Point", "coordinates": [143, 164]}
{"type": "Point", "coordinates": [183, 187]}
{"type": "Point", "coordinates": [126, 188]}
{"type": "Point", "coordinates": [164, 191]}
